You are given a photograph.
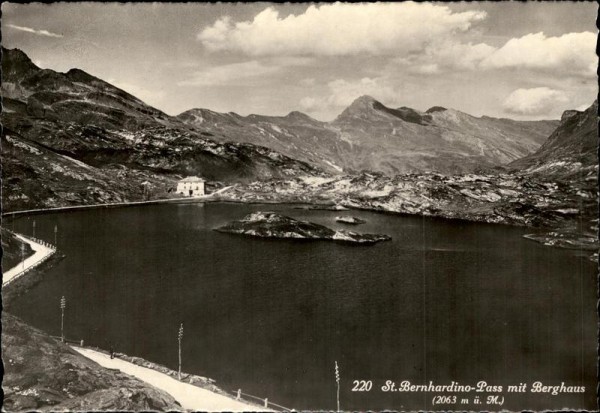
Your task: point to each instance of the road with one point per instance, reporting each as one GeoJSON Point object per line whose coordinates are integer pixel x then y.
{"type": "Point", "coordinates": [189, 396]}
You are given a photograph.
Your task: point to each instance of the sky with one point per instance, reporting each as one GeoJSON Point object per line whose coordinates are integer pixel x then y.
{"type": "Point", "coordinates": [526, 60]}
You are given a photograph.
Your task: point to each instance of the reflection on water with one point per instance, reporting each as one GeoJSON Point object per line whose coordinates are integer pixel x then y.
{"type": "Point", "coordinates": [443, 301]}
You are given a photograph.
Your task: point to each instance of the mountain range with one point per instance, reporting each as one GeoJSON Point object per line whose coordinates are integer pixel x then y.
{"type": "Point", "coordinates": [71, 138]}
{"type": "Point", "coordinates": [367, 135]}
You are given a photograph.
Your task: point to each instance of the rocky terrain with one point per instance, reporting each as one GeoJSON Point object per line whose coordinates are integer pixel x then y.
{"type": "Point", "coordinates": [43, 374]}
{"type": "Point", "coordinates": [272, 225]}
{"type": "Point", "coordinates": [504, 198]}
{"type": "Point", "coordinates": [71, 139]}
{"type": "Point", "coordinates": [370, 136]}
{"type": "Point", "coordinates": [509, 198]}
{"type": "Point", "coordinates": [570, 152]}
{"type": "Point", "coordinates": [570, 158]}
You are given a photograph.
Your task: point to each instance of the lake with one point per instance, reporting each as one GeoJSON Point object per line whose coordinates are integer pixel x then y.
{"type": "Point", "coordinates": [443, 301]}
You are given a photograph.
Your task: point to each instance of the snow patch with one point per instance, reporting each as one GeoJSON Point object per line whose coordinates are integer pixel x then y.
{"type": "Point", "coordinates": [79, 163]}
{"type": "Point", "coordinates": [22, 145]}
{"type": "Point", "coordinates": [316, 180]}
{"type": "Point", "coordinates": [372, 193]}
{"type": "Point", "coordinates": [334, 166]}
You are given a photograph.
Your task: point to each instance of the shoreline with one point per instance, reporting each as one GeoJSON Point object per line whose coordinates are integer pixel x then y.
{"type": "Point", "coordinates": [536, 231]}
{"type": "Point", "coordinates": [185, 200]}
{"type": "Point", "coordinates": [37, 211]}
{"type": "Point", "coordinates": [209, 199]}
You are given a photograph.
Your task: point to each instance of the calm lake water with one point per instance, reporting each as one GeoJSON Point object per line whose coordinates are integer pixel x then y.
{"type": "Point", "coordinates": [444, 301]}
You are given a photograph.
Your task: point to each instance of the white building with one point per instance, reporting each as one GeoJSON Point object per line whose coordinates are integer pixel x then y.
{"type": "Point", "coordinates": [191, 186]}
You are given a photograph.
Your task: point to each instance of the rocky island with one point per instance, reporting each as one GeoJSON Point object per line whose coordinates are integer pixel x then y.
{"type": "Point", "coordinates": [347, 219]}
{"type": "Point", "coordinates": [273, 225]}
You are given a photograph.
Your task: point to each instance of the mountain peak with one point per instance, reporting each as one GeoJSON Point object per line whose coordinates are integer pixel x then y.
{"type": "Point", "coordinates": [367, 108]}
{"type": "Point", "coordinates": [362, 107]}
{"type": "Point", "coordinates": [363, 101]}
{"type": "Point", "coordinates": [568, 114]}
{"type": "Point", "coordinates": [15, 62]}
{"type": "Point", "coordinates": [78, 75]}
{"type": "Point", "coordinates": [434, 109]}
{"type": "Point", "coordinates": [299, 116]}
{"type": "Point", "coordinates": [15, 54]}
{"type": "Point", "coordinates": [365, 98]}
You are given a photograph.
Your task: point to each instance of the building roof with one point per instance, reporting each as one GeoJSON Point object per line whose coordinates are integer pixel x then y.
{"type": "Point", "coordinates": [192, 179]}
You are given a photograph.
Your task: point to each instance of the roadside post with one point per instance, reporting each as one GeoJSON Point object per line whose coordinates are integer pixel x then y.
{"type": "Point", "coordinates": [63, 304]}
{"type": "Point", "coordinates": [179, 337]}
{"type": "Point", "coordinates": [337, 380]}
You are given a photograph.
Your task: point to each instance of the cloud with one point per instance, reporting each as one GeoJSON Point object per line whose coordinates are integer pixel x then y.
{"type": "Point", "coordinates": [309, 81]}
{"type": "Point", "coordinates": [571, 54]}
{"type": "Point", "coordinates": [583, 108]}
{"type": "Point", "coordinates": [342, 93]}
{"type": "Point", "coordinates": [239, 73]}
{"type": "Point", "coordinates": [444, 55]}
{"type": "Point", "coordinates": [34, 31]}
{"type": "Point", "coordinates": [229, 74]}
{"type": "Point", "coordinates": [574, 53]}
{"type": "Point", "coordinates": [310, 104]}
{"type": "Point", "coordinates": [535, 101]}
{"type": "Point", "coordinates": [459, 55]}
{"type": "Point", "coordinates": [339, 29]}
{"type": "Point", "coordinates": [151, 97]}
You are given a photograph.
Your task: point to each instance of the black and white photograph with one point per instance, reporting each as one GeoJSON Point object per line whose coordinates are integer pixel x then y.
{"type": "Point", "coordinates": [378, 206]}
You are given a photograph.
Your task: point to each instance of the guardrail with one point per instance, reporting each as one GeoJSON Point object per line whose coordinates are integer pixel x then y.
{"type": "Point", "coordinates": [238, 395]}
{"type": "Point", "coordinates": [69, 341]}
{"type": "Point", "coordinates": [265, 402]}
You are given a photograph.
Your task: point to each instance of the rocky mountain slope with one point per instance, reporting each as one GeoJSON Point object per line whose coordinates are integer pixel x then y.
{"type": "Point", "coordinates": [554, 189]}
{"type": "Point", "coordinates": [370, 136]}
{"type": "Point", "coordinates": [571, 149]}
{"type": "Point", "coordinates": [296, 135]}
{"type": "Point", "coordinates": [70, 138]}
{"type": "Point", "coordinates": [43, 374]}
